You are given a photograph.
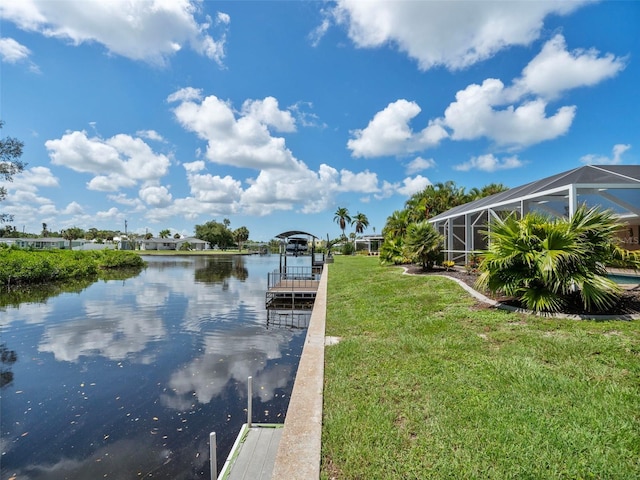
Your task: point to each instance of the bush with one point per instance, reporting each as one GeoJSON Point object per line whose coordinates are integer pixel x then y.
{"type": "Point", "coordinates": [20, 267]}
{"type": "Point", "coordinates": [549, 263]}
{"type": "Point", "coordinates": [347, 248]}
{"type": "Point", "coordinates": [423, 244]}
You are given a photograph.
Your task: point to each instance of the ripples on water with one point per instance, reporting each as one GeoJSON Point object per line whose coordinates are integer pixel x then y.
{"type": "Point", "coordinates": [127, 378]}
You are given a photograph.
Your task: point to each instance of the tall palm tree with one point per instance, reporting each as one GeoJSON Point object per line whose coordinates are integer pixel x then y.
{"type": "Point", "coordinates": [342, 218]}
{"type": "Point", "coordinates": [361, 222]}
{"type": "Point", "coordinates": [397, 223]}
{"type": "Point", "coordinates": [165, 233]}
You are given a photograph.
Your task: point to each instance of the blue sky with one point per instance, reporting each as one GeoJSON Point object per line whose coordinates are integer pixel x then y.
{"type": "Point", "coordinates": [169, 114]}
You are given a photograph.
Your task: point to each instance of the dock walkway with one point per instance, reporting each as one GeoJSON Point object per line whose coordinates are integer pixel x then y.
{"type": "Point", "coordinates": [291, 452]}
{"type": "Point", "coordinates": [254, 453]}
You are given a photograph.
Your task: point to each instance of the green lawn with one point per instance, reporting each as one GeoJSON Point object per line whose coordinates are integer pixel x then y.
{"type": "Point", "coordinates": [426, 383]}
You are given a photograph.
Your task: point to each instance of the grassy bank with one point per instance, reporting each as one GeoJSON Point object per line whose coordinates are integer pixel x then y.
{"type": "Point", "coordinates": [24, 267]}
{"type": "Point", "coordinates": [428, 384]}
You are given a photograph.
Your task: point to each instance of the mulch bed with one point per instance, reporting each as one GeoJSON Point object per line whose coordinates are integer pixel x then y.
{"type": "Point", "coordinates": [628, 304]}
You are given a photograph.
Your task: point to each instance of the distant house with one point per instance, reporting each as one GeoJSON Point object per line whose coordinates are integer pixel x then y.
{"type": "Point", "coordinates": [155, 243]}
{"type": "Point", "coordinates": [371, 243]}
{"type": "Point", "coordinates": [194, 243]}
{"type": "Point", "coordinates": [173, 244]}
{"type": "Point", "coordinates": [43, 243]}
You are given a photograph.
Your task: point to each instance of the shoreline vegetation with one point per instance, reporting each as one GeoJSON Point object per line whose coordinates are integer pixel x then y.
{"type": "Point", "coordinates": [19, 268]}
{"type": "Point", "coordinates": [426, 382]}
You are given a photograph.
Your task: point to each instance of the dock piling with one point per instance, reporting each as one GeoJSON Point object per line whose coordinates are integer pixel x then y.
{"type": "Point", "coordinates": [213, 460]}
{"type": "Point", "coordinates": [249, 399]}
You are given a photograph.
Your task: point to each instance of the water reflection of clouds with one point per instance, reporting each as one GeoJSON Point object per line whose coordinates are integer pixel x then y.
{"type": "Point", "coordinates": [30, 313]}
{"type": "Point", "coordinates": [117, 329]}
{"type": "Point", "coordinates": [208, 337]}
{"type": "Point", "coordinates": [121, 459]}
{"type": "Point", "coordinates": [211, 301]}
{"type": "Point", "coordinates": [108, 329]}
{"type": "Point", "coordinates": [233, 355]}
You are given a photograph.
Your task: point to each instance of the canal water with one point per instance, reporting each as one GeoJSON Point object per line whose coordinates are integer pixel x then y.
{"type": "Point", "coordinates": [124, 379]}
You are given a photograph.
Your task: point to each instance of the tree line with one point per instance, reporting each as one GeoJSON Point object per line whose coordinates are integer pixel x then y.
{"type": "Point", "coordinates": [408, 236]}
{"type": "Point", "coordinates": [218, 234]}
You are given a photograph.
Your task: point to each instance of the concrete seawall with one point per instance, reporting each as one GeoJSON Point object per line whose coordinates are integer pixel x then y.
{"type": "Point", "coordinates": [298, 456]}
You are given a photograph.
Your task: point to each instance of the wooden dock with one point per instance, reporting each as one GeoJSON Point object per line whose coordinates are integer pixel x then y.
{"type": "Point", "coordinates": [290, 297]}
{"type": "Point", "coordinates": [253, 454]}
{"type": "Point", "coordinates": [285, 292]}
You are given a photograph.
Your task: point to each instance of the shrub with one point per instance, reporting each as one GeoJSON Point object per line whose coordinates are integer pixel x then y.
{"type": "Point", "coordinates": [19, 266]}
{"type": "Point", "coordinates": [547, 263]}
{"type": "Point", "coordinates": [423, 244]}
{"type": "Point", "coordinates": [392, 251]}
{"type": "Point", "coordinates": [347, 248]}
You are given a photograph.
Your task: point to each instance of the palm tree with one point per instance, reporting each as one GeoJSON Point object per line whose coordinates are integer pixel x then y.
{"type": "Point", "coordinates": [361, 221]}
{"type": "Point", "coordinates": [548, 263]}
{"type": "Point", "coordinates": [435, 199]}
{"type": "Point", "coordinates": [342, 218]}
{"type": "Point", "coordinates": [397, 224]}
{"type": "Point", "coordinates": [423, 243]}
{"type": "Point", "coordinates": [492, 189]}
{"type": "Point", "coordinates": [165, 233]}
{"type": "Point", "coordinates": [72, 234]}
{"type": "Point", "coordinates": [392, 251]}
{"type": "Point", "coordinates": [240, 235]}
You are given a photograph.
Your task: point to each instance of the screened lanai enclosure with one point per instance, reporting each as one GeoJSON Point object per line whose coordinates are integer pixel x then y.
{"type": "Point", "coordinates": [612, 187]}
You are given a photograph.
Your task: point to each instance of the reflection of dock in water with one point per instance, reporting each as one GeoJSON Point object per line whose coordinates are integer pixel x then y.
{"type": "Point", "coordinates": [288, 318]}
{"type": "Point", "coordinates": [290, 298]}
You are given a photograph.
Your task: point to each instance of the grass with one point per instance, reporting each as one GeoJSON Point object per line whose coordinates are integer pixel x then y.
{"type": "Point", "coordinates": [426, 383]}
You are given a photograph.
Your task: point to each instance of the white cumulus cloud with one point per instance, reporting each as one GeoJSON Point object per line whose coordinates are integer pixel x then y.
{"type": "Point", "coordinates": [514, 116]}
{"type": "Point", "coordinates": [615, 159]}
{"type": "Point", "coordinates": [155, 195]}
{"type": "Point", "coordinates": [150, 30]}
{"type": "Point", "coordinates": [419, 164]}
{"type": "Point", "coordinates": [12, 51]}
{"type": "Point", "coordinates": [450, 34]}
{"type": "Point", "coordinates": [555, 69]}
{"type": "Point", "coordinates": [33, 178]}
{"type": "Point", "coordinates": [120, 161]}
{"type": "Point", "coordinates": [243, 140]}
{"type": "Point", "coordinates": [479, 111]}
{"type": "Point", "coordinates": [490, 163]}
{"type": "Point", "coordinates": [389, 133]}
{"type": "Point", "coordinates": [413, 185]}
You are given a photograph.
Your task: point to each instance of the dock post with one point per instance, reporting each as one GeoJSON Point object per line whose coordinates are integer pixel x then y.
{"type": "Point", "coordinates": [213, 461]}
{"type": "Point", "coordinates": [249, 402]}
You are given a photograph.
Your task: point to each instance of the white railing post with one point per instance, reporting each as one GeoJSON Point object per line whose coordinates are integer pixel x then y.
{"type": "Point", "coordinates": [213, 460]}
{"type": "Point", "coordinates": [249, 402]}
